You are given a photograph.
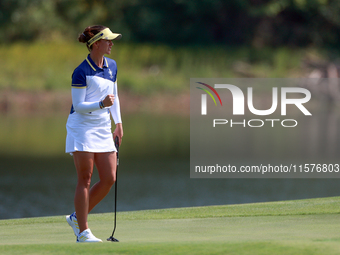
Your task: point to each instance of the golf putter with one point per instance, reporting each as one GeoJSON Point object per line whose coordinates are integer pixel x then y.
{"type": "Point", "coordinates": [111, 238]}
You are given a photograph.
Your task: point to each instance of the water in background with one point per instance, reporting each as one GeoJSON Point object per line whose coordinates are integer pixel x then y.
{"type": "Point", "coordinates": [38, 179]}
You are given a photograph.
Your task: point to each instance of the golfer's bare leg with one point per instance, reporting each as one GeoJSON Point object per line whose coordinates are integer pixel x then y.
{"type": "Point", "coordinates": [84, 164]}
{"type": "Point", "coordinates": [106, 164]}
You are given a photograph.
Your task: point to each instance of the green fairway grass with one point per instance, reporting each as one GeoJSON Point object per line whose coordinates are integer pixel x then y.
{"type": "Point", "coordinates": [310, 226]}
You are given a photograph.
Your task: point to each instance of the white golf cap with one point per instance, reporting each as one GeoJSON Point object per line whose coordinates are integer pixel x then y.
{"type": "Point", "coordinates": [105, 34]}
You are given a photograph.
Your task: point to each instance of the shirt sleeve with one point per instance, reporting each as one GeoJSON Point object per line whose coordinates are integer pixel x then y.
{"type": "Point", "coordinates": [78, 79]}
{"type": "Point", "coordinates": [78, 101]}
{"type": "Point", "coordinates": [79, 94]}
{"type": "Point", "coordinates": [115, 108]}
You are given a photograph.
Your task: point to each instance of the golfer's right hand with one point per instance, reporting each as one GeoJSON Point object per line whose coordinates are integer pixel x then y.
{"type": "Point", "coordinates": [108, 101]}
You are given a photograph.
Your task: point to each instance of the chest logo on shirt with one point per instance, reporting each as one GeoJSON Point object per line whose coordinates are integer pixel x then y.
{"type": "Point", "coordinates": [110, 72]}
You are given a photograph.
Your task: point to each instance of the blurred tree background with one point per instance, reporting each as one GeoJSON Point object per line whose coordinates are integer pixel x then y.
{"type": "Point", "coordinates": [166, 42]}
{"type": "Point", "coordinates": [256, 23]}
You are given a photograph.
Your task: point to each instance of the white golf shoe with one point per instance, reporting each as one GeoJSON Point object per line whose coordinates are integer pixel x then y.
{"type": "Point", "coordinates": [87, 237]}
{"type": "Point", "coordinates": [72, 221]}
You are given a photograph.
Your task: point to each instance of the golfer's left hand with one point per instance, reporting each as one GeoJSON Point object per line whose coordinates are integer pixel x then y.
{"type": "Point", "coordinates": [118, 132]}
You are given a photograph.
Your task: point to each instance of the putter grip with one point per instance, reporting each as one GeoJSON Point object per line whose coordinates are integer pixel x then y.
{"type": "Point", "coordinates": [117, 143]}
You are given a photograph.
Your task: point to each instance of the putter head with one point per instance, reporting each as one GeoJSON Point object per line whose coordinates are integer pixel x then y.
{"type": "Point", "coordinates": [112, 239]}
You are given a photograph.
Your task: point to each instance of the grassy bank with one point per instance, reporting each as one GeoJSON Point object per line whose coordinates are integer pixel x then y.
{"type": "Point", "coordinates": [145, 69]}
{"type": "Point", "coordinates": [290, 227]}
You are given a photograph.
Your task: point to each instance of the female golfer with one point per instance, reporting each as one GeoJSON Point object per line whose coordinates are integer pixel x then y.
{"type": "Point", "coordinates": [89, 138]}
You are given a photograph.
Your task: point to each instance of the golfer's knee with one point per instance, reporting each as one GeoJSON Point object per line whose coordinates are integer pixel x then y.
{"type": "Point", "coordinates": [85, 180]}
{"type": "Point", "coordinates": [112, 181]}
{"type": "Point", "coordinates": [109, 181]}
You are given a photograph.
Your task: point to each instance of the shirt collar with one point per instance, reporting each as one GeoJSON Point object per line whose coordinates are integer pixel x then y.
{"type": "Point", "coordinates": [93, 65]}
{"type": "Point", "coordinates": [105, 63]}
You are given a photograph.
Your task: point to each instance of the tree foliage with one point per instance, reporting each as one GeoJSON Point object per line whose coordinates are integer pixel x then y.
{"type": "Point", "coordinates": [233, 22]}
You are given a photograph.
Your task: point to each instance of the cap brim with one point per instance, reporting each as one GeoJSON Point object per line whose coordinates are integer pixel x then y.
{"type": "Point", "coordinates": [105, 34]}
{"type": "Point", "coordinates": [113, 36]}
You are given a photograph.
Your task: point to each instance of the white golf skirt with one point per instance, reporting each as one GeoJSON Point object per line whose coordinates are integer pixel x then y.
{"type": "Point", "coordinates": [87, 132]}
